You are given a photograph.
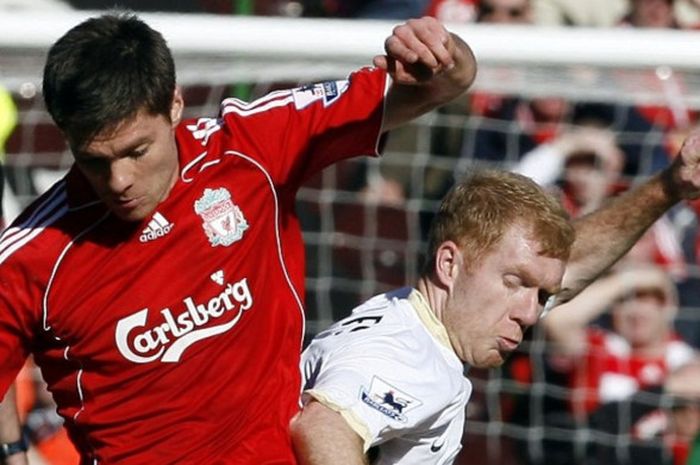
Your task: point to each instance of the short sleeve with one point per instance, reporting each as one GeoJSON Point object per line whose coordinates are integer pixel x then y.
{"type": "Point", "coordinates": [295, 133]}
{"type": "Point", "coordinates": [382, 388]}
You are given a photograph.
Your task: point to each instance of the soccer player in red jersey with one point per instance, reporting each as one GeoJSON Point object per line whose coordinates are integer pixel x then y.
{"type": "Point", "coordinates": [159, 285]}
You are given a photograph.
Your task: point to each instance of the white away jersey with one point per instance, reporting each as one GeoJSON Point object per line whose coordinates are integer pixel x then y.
{"type": "Point", "coordinates": [390, 371]}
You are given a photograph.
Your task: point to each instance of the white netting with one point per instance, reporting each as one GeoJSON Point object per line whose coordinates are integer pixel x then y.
{"type": "Point", "coordinates": [365, 235]}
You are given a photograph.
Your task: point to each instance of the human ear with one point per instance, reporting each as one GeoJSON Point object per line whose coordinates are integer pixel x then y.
{"type": "Point", "coordinates": [176, 107]}
{"type": "Point", "coordinates": [448, 259]}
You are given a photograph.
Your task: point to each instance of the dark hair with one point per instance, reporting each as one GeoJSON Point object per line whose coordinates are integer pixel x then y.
{"type": "Point", "coordinates": [104, 71]}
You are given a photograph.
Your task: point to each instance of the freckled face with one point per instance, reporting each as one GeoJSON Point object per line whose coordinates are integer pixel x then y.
{"type": "Point", "coordinates": [496, 300]}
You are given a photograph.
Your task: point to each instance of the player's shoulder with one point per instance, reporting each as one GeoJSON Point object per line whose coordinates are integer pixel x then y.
{"type": "Point", "coordinates": [277, 104]}
{"type": "Point", "coordinates": [385, 331]}
{"type": "Point", "coordinates": [45, 227]}
{"type": "Point", "coordinates": [385, 315]}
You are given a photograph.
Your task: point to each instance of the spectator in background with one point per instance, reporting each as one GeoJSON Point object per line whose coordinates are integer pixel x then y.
{"type": "Point", "coordinates": [651, 14]}
{"type": "Point", "coordinates": [640, 350]}
{"type": "Point", "coordinates": [688, 13]}
{"type": "Point", "coordinates": [603, 13]}
{"type": "Point", "coordinates": [512, 126]}
{"type": "Point", "coordinates": [588, 365]}
{"type": "Point", "coordinates": [584, 165]}
{"type": "Point", "coordinates": [504, 12]}
{"type": "Point", "coordinates": [482, 11]}
{"type": "Point", "coordinates": [517, 125]}
{"type": "Point", "coordinates": [453, 11]}
{"type": "Point", "coordinates": [655, 426]}
{"type": "Point", "coordinates": [660, 14]}
{"type": "Point", "coordinates": [365, 9]}
{"type": "Point", "coordinates": [589, 13]}
{"type": "Point", "coordinates": [585, 162]}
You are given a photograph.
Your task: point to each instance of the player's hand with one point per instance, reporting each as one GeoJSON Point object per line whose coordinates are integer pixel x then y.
{"type": "Point", "coordinates": [417, 50]}
{"type": "Point", "coordinates": [685, 169]}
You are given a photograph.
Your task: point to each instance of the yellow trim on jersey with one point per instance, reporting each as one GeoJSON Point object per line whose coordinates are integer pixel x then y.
{"type": "Point", "coordinates": [426, 315]}
{"type": "Point", "coordinates": [353, 420]}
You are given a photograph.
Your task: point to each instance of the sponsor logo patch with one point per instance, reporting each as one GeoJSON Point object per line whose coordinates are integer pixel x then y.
{"type": "Point", "coordinates": [388, 400]}
{"type": "Point", "coordinates": [167, 334]}
{"type": "Point", "coordinates": [328, 92]}
{"type": "Point", "coordinates": [222, 220]}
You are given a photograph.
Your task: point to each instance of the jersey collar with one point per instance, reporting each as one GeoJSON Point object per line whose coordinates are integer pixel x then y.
{"type": "Point", "coordinates": [427, 316]}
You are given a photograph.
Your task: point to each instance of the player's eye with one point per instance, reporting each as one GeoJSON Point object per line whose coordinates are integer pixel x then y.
{"type": "Point", "coordinates": [543, 296]}
{"type": "Point", "coordinates": [512, 281]}
{"type": "Point", "coordinates": [138, 153]}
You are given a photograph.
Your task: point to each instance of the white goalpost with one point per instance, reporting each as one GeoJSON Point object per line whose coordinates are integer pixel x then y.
{"type": "Point", "coordinates": [572, 62]}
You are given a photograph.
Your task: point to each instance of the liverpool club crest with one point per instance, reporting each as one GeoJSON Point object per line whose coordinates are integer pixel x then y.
{"type": "Point", "coordinates": [222, 220]}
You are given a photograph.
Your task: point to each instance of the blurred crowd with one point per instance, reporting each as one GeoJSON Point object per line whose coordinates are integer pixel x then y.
{"type": "Point", "coordinates": [612, 377]}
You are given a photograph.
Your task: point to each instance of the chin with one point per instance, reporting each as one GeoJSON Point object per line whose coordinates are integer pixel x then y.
{"type": "Point", "coordinates": [132, 216]}
{"type": "Point", "coordinates": [490, 361]}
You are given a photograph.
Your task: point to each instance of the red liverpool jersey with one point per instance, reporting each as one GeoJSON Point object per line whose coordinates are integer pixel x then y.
{"type": "Point", "coordinates": [177, 339]}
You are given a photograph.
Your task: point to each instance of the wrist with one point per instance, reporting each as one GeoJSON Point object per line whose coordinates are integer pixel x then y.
{"type": "Point", "coordinates": [10, 449]}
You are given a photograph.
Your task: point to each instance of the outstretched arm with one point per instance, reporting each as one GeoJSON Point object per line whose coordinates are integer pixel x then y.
{"type": "Point", "coordinates": [322, 437]}
{"type": "Point", "coordinates": [429, 67]}
{"type": "Point", "coordinates": [605, 235]}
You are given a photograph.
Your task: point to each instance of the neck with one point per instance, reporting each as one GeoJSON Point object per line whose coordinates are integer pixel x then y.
{"type": "Point", "coordinates": [656, 348]}
{"type": "Point", "coordinates": [435, 296]}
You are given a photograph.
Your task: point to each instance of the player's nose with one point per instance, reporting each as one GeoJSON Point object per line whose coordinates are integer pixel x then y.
{"type": "Point", "coordinates": [121, 177]}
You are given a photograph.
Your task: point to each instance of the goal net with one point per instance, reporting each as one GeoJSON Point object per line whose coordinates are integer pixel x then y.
{"type": "Point", "coordinates": [365, 221]}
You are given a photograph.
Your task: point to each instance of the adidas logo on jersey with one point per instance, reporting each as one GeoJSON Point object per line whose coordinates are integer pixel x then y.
{"type": "Point", "coordinates": [157, 227]}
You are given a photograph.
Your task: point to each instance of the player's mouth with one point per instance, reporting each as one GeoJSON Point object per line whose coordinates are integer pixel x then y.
{"type": "Point", "coordinates": [126, 205]}
{"type": "Point", "coordinates": [506, 344]}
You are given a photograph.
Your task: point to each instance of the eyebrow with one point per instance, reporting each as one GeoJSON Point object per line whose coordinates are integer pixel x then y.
{"type": "Point", "coordinates": [82, 154]}
{"type": "Point", "coordinates": [530, 280]}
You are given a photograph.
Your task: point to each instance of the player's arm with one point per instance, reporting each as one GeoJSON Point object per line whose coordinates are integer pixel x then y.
{"type": "Point", "coordinates": [429, 67]}
{"type": "Point", "coordinates": [10, 428]}
{"type": "Point", "coordinates": [602, 237]}
{"type": "Point", "coordinates": [321, 436]}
